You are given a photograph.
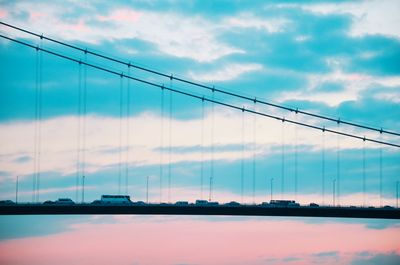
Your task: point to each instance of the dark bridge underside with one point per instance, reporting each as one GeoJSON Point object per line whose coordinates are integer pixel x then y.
{"type": "Point", "coordinates": [345, 212]}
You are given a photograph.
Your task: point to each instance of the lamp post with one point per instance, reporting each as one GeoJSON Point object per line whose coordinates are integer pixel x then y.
{"type": "Point", "coordinates": [147, 189]}
{"type": "Point", "coordinates": [333, 190]}
{"type": "Point", "coordinates": [16, 191]}
{"type": "Point", "coordinates": [397, 194]}
{"type": "Point", "coordinates": [83, 188]}
{"type": "Point", "coordinates": [272, 180]}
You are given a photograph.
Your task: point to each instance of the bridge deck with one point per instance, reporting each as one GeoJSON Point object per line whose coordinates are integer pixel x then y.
{"type": "Point", "coordinates": [157, 209]}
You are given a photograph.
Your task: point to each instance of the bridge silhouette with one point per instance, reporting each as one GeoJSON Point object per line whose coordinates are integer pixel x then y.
{"type": "Point", "coordinates": [243, 104]}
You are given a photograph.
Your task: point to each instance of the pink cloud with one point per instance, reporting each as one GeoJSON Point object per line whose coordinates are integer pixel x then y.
{"type": "Point", "coordinates": [3, 13]}
{"type": "Point", "coordinates": [162, 240]}
{"type": "Point", "coordinates": [121, 15]}
{"type": "Point", "coordinates": [35, 15]}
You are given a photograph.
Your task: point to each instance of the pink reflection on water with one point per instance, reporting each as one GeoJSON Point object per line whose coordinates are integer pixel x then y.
{"type": "Point", "coordinates": [165, 240]}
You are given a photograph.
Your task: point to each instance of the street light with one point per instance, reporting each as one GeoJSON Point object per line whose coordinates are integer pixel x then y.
{"type": "Point", "coordinates": [397, 194]}
{"type": "Point", "coordinates": [333, 190]}
{"type": "Point", "coordinates": [83, 188]}
{"type": "Point", "coordinates": [16, 191]}
{"type": "Point", "coordinates": [272, 179]}
{"type": "Point", "coordinates": [147, 189]}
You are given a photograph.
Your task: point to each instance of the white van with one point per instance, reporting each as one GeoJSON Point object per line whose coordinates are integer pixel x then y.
{"type": "Point", "coordinates": [115, 199]}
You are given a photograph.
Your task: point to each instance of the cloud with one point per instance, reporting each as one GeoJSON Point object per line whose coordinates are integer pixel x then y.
{"type": "Point", "coordinates": [392, 258]}
{"type": "Point", "coordinates": [247, 20]}
{"type": "Point", "coordinates": [368, 16]}
{"type": "Point", "coordinates": [353, 87]}
{"type": "Point", "coordinates": [225, 242]}
{"type": "Point", "coordinates": [145, 143]}
{"type": "Point", "coordinates": [228, 72]}
{"type": "Point", "coordinates": [190, 37]}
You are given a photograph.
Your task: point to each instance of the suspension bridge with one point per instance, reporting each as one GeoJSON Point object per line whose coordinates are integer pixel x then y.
{"type": "Point", "coordinates": [327, 128]}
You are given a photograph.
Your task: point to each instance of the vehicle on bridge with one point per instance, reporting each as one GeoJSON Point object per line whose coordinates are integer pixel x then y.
{"type": "Point", "coordinates": [232, 203]}
{"type": "Point", "coordinates": [182, 203]}
{"type": "Point", "coordinates": [6, 202]}
{"type": "Point", "coordinates": [64, 201]}
{"type": "Point", "coordinates": [284, 203]}
{"type": "Point", "coordinates": [201, 202]}
{"type": "Point", "coordinates": [205, 203]}
{"type": "Point", "coordinates": [113, 199]}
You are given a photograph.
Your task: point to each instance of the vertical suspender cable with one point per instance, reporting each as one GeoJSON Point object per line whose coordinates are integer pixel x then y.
{"type": "Point", "coordinates": [295, 160]}
{"type": "Point", "coordinates": [364, 180]}
{"type": "Point", "coordinates": [338, 163]}
{"type": "Point", "coordinates": [212, 148]}
{"type": "Point", "coordinates": [202, 150]}
{"type": "Point", "coordinates": [283, 159]}
{"type": "Point", "coordinates": [242, 161]}
{"type": "Point", "coordinates": [128, 148]}
{"type": "Point", "coordinates": [161, 139]}
{"type": "Point", "coordinates": [120, 134]}
{"type": "Point", "coordinates": [84, 125]}
{"type": "Point", "coordinates": [323, 167]}
{"type": "Point", "coordinates": [169, 140]}
{"type": "Point", "coordinates": [40, 121]}
{"type": "Point", "coordinates": [254, 153]}
{"type": "Point", "coordinates": [78, 142]}
{"type": "Point", "coordinates": [35, 142]}
{"type": "Point", "coordinates": [380, 171]}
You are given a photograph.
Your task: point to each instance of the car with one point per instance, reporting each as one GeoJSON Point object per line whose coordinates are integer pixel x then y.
{"type": "Point", "coordinates": [48, 202]}
{"type": "Point", "coordinates": [64, 201]}
{"type": "Point", "coordinates": [115, 199]}
{"type": "Point", "coordinates": [140, 203]}
{"type": "Point", "coordinates": [387, 207]}
{"type": "Point", "coordinates": [284, 203]}
{"type": "Point", "coordinates": [6, 202]}
{"type": "Point", "coordinates": [232, 203]}
{"type": "Point", "coordinates": [182, 203]}
{"type": "Point", "coordinates": [96, 202]}
{"type": "Point", "coordinates": [314, 204]}
{"type": "Point", "coordinates": [206, 203]}
{"type": "Point", "coordinates": [201, 202]}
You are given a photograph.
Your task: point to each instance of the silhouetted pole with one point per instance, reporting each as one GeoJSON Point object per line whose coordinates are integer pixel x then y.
{"type": "Point", "coordinates": [83, 188]}
{"type": "Point", "coordinates": [333, 190]}
{"type": "Point", "coordinates": [16, 191]}
{"type": "Point", "coordinates": [397, 194]}
{"type": "Point", "coordinates": [272, 179]}
{"type": "Point", "coordinates": [147, 189]}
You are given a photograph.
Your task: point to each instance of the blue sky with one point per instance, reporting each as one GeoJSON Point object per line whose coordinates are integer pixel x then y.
{"type": "Point", "coordinates": [340, 59]}
{"type": "Point", "coordinates": [323, 57]}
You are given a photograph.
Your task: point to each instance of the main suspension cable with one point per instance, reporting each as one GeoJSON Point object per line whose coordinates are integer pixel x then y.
{"type": "Point", "coordinates": [212, 88]}
{"type": "Point", "coordinates": [162, 86]}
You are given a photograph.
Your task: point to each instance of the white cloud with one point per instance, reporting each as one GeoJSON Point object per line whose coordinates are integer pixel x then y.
{"type": "Point", "coordinates": [354, 85]}
{"type": "Point", "coordinates": [182, 36]}
{"type": "Point", "coordinates": [103, 140]}
{"type": "Point", "coordinates": [228, 72]}
{"type": "Point", "coordinates": [245, 20]}
{"type": "Point", "coordinates": [369, 16]}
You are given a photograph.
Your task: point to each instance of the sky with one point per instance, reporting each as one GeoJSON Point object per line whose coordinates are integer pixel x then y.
{"type": "Point", "coordinates": [340, 59]}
